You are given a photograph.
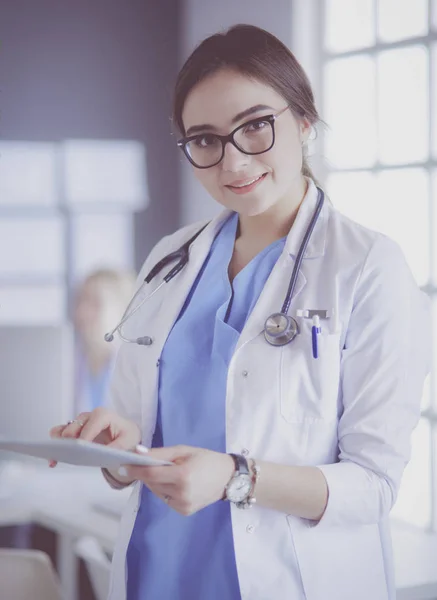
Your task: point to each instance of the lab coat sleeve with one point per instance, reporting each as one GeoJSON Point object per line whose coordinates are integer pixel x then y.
{"type": "Point", "coordinates": [384, 364]}
{"type": "Point", "coordinates": [124, 395]}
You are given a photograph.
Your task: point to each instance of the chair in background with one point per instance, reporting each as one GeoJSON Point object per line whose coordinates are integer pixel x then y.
{"type": "Point", "coordinates": [97, 564]}
{"type": "Point", "coordinates": [26, 574]}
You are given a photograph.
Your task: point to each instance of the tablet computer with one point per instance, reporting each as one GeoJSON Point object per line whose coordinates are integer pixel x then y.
{"type": "Point", "coordinates": [79, 452]}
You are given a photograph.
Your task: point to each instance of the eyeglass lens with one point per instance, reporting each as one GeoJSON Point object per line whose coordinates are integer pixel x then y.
{"type": "Point", "coordinates": [254, 138]}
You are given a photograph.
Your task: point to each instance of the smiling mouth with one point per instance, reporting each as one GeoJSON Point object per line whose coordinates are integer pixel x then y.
{"type": "Point", "coordinates": [247, 183]}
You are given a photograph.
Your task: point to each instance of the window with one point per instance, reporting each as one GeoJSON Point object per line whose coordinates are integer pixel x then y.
{"type": "Point", "coordinates": [378, 95]}
{"type": "Point", "coordinates": [65, 209]}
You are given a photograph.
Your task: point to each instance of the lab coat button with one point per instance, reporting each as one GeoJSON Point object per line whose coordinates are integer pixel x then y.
{"type": "Point", "coordinates": [250, 528]}
{"type": "Point", "coordinates": [245, 373]}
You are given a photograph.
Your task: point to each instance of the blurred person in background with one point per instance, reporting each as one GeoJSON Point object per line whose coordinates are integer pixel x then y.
{"type": "Point", "coordinates": [100, 301]}
{"type": "Point", "coordinates": [309, 414]}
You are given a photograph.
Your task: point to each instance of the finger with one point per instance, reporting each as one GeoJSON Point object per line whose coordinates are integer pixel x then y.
{"type": "Point", "coordinates": [162, 490]}
{"type": "Point", "coordinates": [122, 442]}
{"type": "Point", "coordinates": [73, 430]}
{"type": "Point", "coordinates": [55, 432]}
{"type": "Point", "coordinates": [170, 453]}
{"type": "Point", "coordinates": [154, 475]}
{"type": "Point", "coordinates": [97, 421]}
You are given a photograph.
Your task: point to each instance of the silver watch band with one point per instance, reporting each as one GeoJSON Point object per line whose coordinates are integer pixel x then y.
{"type": "Point", "coordinates": [113, 482]}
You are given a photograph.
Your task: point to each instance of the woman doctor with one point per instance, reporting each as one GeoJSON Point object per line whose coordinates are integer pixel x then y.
{"type": "Point", "coordinates": [319, 428]}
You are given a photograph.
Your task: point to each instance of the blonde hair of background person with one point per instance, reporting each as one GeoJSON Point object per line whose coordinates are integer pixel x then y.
{"type": "Point", "coordinates": [330, 435]}
{"type": "Point", "coordinates": [100, 300]}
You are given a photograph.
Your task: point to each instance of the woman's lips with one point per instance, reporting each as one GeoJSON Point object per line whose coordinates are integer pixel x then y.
{"type": "Point", "coordinates": [245, 188]}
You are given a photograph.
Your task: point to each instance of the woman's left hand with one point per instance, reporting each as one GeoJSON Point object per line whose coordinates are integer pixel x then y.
{"type": "Point", "coordinates": [197, 478]}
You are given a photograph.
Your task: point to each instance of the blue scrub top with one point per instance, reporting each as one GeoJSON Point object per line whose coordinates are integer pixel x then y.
{"type": "Point", "coordinates": [170, 556]}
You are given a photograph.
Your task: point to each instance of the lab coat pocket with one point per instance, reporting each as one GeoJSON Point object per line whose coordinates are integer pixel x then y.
{"type": "Point", "coordinates": [309, 386]}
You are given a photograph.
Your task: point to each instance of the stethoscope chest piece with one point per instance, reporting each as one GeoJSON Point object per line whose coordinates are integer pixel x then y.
{"type": "Point", "coordinates": [280, 329]}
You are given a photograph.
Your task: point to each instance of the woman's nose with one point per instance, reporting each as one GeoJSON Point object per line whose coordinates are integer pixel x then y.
{"type": "Point", "coordinates": [234, 160]}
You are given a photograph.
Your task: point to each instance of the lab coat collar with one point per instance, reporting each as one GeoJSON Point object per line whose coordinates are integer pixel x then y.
{"type": "Point", "coordinates": [316, 245]}
{"type": "Point", "coordinates": [276, 286]}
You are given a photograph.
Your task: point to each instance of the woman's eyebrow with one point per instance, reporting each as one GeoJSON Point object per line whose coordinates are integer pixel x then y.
{"type": "Point", "coordinates": [241, 115]}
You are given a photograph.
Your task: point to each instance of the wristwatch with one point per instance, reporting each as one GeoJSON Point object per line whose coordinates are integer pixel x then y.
{"type": "Point", "coordinates": [240, 486]}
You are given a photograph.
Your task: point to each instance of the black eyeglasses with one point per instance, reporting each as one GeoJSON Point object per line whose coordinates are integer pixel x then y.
{"type": "Point", "coordinates": [256, 136]}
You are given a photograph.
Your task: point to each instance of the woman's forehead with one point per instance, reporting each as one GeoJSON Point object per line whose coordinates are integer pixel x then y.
{"type": "Point", "coordinates": [220, 97]}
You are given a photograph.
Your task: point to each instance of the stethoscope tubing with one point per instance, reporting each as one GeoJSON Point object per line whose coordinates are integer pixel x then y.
{"type": "Point", "coordinates": [183, 255]}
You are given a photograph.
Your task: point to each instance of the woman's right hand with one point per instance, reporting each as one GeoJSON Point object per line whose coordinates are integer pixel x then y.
{"type": "Point", "coordinates": [102, 426]}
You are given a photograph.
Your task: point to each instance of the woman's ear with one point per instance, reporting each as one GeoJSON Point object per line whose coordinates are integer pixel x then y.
{"type": "Point", "coordinates": [304, 130]}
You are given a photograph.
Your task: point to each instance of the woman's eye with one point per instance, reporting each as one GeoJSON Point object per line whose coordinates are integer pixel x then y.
{"type": "Point", "coordinates": [254, 127]}
{"type": "Point", "coordinates": [205, 141]}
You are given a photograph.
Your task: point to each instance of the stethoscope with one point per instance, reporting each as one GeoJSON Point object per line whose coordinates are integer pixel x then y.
{"type": "Point", "coordinates": [279, 329]}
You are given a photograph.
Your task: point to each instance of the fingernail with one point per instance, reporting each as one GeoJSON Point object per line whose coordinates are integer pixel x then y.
{"type": "Point", "coordinates": [142, 448]}
{"type": "Point", "coordinates": [122, 471]}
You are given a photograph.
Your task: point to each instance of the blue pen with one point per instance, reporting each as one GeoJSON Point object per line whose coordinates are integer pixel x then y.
{"type": "Point", "coordinates": [315, 331]}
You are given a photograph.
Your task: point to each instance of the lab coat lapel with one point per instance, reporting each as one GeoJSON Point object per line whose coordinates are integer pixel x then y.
{"type": "Point", "coordinates": [180, 286]}
{"type": "Point", "coordinates": [271, 298]}
{"type": "Point", "coordinates": [273, 294]}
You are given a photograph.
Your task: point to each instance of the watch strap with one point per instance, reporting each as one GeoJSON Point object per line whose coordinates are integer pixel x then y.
{"type": "Point", "coordinates": [241, 465]}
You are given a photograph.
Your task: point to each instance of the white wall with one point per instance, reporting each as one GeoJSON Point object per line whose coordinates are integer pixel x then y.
{"type": "Point", "coordinates": [198, 20]}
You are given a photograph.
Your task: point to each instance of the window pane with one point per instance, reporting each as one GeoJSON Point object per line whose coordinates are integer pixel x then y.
{"type": "Point", "coordinates": [27, 174]}
{"type": "Point", "coordinates": [433, 378]}
{"type": "Point", "coordinates": [30, 247]}
{"type": "Point", "coordinates": [403, 105]}
{"type": "Point", "coordinates": [434, 226]}
{"type": "Point", "coordinates": [23, 305]}
{"type": "Point", "coordinates": [350, 100]}
{"type": "Point", "coordinates": [400, 19]}
{"type": "Point", "coordinates": [414, 500]}
{"type": "Point", "coordinates": [353, 194]}
{"type": "Point", "coordinates": [105, 172]}
{"type": "Point", "coordinates": [102, 240]}
{"type": "Point", "coordinates": [384, 203]}
{"type": "Point", "coordinates": [434, 99]}
{"type": "Point", "coordinates": [349, 24]}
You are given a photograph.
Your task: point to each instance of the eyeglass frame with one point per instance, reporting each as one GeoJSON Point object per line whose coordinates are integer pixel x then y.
{"type": "Point", "coordinates": [224, 139]}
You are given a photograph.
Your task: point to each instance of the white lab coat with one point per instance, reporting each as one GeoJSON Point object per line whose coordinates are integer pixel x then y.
{"type": "Point", "coordinates": [350, 412]}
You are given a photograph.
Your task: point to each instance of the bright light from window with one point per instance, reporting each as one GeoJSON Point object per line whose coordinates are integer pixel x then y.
{"type": "Point", "coordinates": [400, 19]}
{"type": "Point", "coordinates": [101, 241]}
{"type": "Point", "coordinates": [434, 227]}
{"type": "Point", "coordinates": [105, 172]}
{"type": "Point", "coordinates": [31, 247]}
{"type": "Point", "coordinates": [349, 24]}
{"type": "Point", "coordinates": [434, 99]}
{"type": "Point", "coordinates": [403, 105]}
{"type": "Point", "coordinates": [350, 111]}
{"type": "Point", "coordinates": [27, 174]}
{"type": "Point", "coordinates": [38, 304]}
{"type": "Point", "coordinates": [394, 203]}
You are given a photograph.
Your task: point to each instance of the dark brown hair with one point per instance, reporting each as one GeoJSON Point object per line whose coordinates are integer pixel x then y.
{"type": "Point", "coordinates": [255, 53]}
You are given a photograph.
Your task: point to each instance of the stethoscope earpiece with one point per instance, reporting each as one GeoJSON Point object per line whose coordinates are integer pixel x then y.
{"type": "Point", "coordinates": [280, 329]}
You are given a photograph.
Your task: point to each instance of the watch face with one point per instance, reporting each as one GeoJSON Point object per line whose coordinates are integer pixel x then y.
{"type": "Point", "coordinates": [239, 488]}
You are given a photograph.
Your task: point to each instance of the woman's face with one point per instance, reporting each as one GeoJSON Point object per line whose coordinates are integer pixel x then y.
{"type": "Point", "coordinates": [216, 102]}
